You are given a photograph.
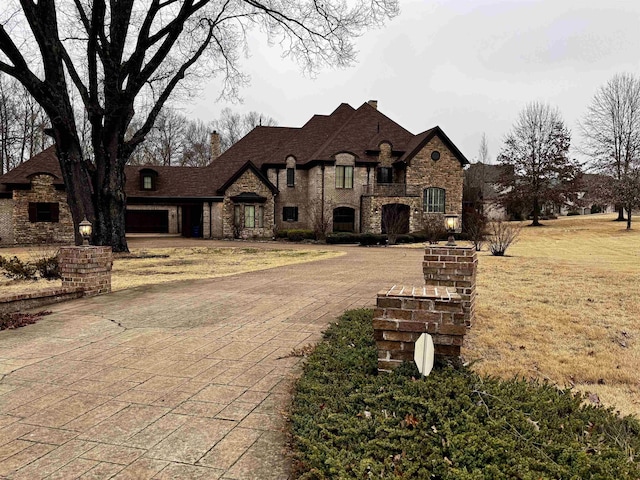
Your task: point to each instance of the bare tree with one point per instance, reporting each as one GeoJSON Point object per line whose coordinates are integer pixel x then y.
{"type": "Point", "coordinates": [164, 142]}
{"type": "Point", "coordinates": [232, 126]}
{"type": "Point", "coordinates": [535, 159]}
{"type": "Point", "coordinates": [395, 221]}
{"type": "Point", "coordinates": [196, 148]}
{"type": "Point", "coordinates": [611, 134]}
{"type": "Point", "coordinates": [125, 59]}
{"type": "Point", "coordinates": [501, 236]}
{"type": "Point", "coordinates": [22, 123]}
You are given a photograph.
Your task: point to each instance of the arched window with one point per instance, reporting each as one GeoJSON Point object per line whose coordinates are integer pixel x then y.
{"type": "Point", "coordinates": [434, 200]}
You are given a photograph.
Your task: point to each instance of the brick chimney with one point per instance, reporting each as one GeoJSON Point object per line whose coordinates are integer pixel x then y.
{"type": "Point", "coordinates": [215, 145]}
{"type": "Point", "coordinates": [373, 103]}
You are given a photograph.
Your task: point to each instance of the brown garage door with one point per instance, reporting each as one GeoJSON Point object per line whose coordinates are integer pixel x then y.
{"type": "Point", "coordinates": [147, 221]}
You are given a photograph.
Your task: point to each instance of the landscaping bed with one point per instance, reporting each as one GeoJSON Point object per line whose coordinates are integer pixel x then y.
{"type": "Point", "coordinates": [349, 422]}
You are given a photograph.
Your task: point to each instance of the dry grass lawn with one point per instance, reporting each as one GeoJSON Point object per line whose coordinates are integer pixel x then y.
{"type": "Point", "coordinates": [159, 265]}
{"type": "Point", "coordinates": [564, 306]}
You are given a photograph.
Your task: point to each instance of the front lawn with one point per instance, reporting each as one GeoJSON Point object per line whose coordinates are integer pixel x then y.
{"type": "Point", "coordinates": [349, 422]}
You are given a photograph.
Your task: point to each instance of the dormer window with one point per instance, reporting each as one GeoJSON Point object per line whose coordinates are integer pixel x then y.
{"type": "Point", "coordinates": [148, 179]}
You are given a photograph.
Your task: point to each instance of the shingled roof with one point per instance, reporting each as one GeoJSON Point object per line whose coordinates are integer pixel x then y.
{"type": "Point", "coordinates": [171, 182]}
{"type": "Point", "coordinates": [357, 131]}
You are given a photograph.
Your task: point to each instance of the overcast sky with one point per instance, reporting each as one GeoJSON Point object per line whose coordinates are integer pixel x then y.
{"type": "Point", "coordinates": [468, 66]}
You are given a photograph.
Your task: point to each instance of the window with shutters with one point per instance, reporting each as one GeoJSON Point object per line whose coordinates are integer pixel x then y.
{"type": "Point", "coordinates": [44, 212]}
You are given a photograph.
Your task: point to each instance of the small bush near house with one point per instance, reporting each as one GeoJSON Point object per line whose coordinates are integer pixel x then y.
{"type": "Point", "coordinates": [17, 269]}
{"type": "Point", "coordinates": [501, 235]}
{"type": "Point", "coordinates": [367, 239]}
{"type": "Point", "coordinates": [296, 235]}
{"type": "Point", "coordinates": [349, 422]}
{"type": "Point", "coordinates": [343, 238]}
{"type": "Point", "coordinates": [434, 228]}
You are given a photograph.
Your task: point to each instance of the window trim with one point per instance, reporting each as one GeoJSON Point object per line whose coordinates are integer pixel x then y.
{"type": "Point", "coordinates": [38, 213]}
{"type": "Point", "coordinates": [249, 216]}
{"type": "Point", "coordinates": [292, 218]}
{"type": "Point", "coordinates": [341, 178]}
{"type": "Point", "coordinates": [429, 204]}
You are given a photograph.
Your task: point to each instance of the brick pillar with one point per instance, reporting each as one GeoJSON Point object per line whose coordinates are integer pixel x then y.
{"type": "Point", "coordinates": [405, 313]}
{"type": "Point", "coordinates": [453, 266]}
{"type": "Point", "coordinates": [86, 267]}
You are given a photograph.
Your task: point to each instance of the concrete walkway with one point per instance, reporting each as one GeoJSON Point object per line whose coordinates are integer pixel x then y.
{"type": "Point", "coordinates": [180, 381]}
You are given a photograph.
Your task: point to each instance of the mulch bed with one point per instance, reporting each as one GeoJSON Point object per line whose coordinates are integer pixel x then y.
{"type": "Point", "coordinates": [17, 319]}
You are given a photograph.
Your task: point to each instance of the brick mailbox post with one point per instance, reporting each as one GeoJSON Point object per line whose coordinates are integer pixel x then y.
{"type": "Point", "coordinates": [86, 267]}
{"type": "Point", "coordinates": [444, 307]}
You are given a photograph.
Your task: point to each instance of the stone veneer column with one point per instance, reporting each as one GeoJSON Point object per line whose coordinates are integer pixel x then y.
{"type": "Point", "coordinates": [86, 267]}
{"type": "Point", "coordinates": [405, 313]}
{"type": "Point", "coordinates": [453, 266]}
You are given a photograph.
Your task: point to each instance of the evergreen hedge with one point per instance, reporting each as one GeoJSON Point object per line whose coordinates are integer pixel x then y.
{"type": "Point", "coordinates": [349, 422]}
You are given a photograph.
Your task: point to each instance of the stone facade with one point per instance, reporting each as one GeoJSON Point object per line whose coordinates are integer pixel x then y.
{"type": "Point", "coordinates": [6, 221]}
{"type": "Point", "coordinates": [248, 182]}
{"type": "Point", "coordinates": [405, 313]}
{"type": "Point", "coordinates": [42, 191]}
{"type": "Point", "coordinates": [446, 173]}
{"type": "Point", "coordinates": [86, 267]}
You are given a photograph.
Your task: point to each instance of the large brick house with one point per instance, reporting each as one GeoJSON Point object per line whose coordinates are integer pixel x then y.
{"type": "Point", "coordinates": [347, 171]}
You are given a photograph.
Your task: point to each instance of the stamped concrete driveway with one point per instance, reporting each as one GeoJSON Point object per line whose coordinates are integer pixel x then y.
{"type": "Point", "coordinates": [177, 381]}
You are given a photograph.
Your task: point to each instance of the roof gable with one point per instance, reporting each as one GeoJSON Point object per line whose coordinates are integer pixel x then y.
{"type": "Point", "coordinates": [420, 140]}
{"type": "Point", "coordinates": [251, 167]}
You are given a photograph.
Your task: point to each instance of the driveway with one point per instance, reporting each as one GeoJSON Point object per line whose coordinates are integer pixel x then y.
{"type": "Point", "coordinates": [176, 381]}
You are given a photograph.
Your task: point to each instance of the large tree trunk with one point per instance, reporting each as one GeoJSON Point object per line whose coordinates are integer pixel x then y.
{"type": "Point", "coordinates": [536, 213]}
{"type": "Point", "coordinates": [629, 218]}
{"type": "Point", "coordinates": [110, 197]}
{"type": "Point", "coordinates": [77, 180]}
{"type": "Point", "coordinates": [620, 215]}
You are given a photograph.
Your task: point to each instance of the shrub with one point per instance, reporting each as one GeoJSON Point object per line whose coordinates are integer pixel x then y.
{"type": "Point", "coordinates": [343, 238]}
{"type": "Point", "coordinates": [298, 235]}
{"type": "Point", "coordinates": [474, 224]}
{"type": "Point", "coordinates": [48, 267]}
{"type": "Point", "coordinates": [434, 228]}
{"type": "Point", "coordinates": [17, 269]}
{"type": "Point", "coordinates": [501, 235]}
{"type": "Point", "coordinates": [596, 209]}
{"type": "Point", "coordinates": [572, 213]}
{"type": "Point", "coordinates": [372, 239]}
{"type": "Point", "coordinates": [348, 422]}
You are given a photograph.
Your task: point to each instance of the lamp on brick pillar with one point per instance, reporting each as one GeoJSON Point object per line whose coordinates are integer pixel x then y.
{"type": "Point", "coordinates": [451, 224]}
{"type": "Point", "coordinates": [85, 228]}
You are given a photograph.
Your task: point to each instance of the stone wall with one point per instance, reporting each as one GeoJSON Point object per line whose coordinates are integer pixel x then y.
{"type": "Point", "coordinates": [447, 173]}
{"type": "Point", "coordinates": [42, 190]}
{"type": "Point", "coordinates": [6, 221]}
{"type": "Point", "coordinates": [248, 182]}
{"type": "Point", "coordinates": [453, 266]}
{"type": "Point", "coordinates": [405, 313]}
{"type": "Point", "coordinates": [86, 267]}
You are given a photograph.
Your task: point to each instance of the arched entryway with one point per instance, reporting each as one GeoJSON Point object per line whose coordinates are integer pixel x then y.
{"type": "Point", "coordinates": [395, 218]}
{"type": "Point", "coordinates": [344, 219]}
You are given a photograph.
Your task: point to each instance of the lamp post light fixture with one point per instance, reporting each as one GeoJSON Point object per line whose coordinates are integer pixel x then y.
{"type": "Point", "coordinates": [451, 224]}
{"type": "Point", "coordinates": [85, 228]}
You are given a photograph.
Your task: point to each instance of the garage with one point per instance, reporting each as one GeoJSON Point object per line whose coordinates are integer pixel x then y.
{"type": "Point", "coordinates": [147, 221]}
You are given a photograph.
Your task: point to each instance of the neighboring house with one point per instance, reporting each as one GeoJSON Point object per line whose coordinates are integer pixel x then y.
{"type": "Point", "coordinates": [345, 171]}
